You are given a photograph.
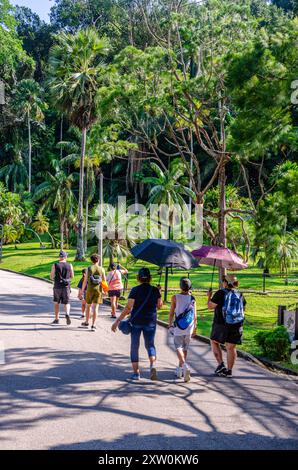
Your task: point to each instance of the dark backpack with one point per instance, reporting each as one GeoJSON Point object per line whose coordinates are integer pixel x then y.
{"type": "Point", "coordinates": [63, 281]}
{"type": "Point", "coordinates": [233, 309]}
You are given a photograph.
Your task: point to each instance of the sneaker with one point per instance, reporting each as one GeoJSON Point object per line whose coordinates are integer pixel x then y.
{"type": "Point", "coordinates": [93, 328]}
{"type": "Point", "coordinates": [178, 372]}
{"type": "Point", "coordinates": [186, 373]}
{"type": "Point", "coordinates": [226, 373]}
{"type": "Point", "coordinates": [68, 320]}
{"type": "Point", "coordinates": [85, 324]}
{"type": "Point", "coordinates": [153, 373]}
{"type": "Point", "coordinates": [135, 376]}
{"type": "Point", "coordinates": [219, 368]}
{"type": "Point", "coordinates": [55, 322]}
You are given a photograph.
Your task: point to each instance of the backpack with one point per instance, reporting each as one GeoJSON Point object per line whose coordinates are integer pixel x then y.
{"type": "Point", "coordinates": [95, 279]}
{"type": "Point", "coordinates": [186, 318]}
{"type": "Point", "coordinates": [64, 282]}
{"type": "Point", "coordinates": [233, 309]}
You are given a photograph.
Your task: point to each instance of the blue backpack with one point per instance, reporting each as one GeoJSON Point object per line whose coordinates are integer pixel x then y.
{"type": "Point", "coordinates": [186, 318]}
{"type": "Point", "coordinates": [233, 309]}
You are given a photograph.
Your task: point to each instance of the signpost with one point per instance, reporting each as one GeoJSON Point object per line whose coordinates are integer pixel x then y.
{"type": "Point", "coordinates": [288, 318]}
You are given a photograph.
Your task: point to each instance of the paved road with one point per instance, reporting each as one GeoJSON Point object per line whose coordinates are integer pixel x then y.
{"type": "Point", "coordinates": [67, 388]}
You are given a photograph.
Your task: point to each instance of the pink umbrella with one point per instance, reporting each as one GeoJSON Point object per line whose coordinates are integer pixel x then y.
{"type": "Point", "coordinates": [219, 257]}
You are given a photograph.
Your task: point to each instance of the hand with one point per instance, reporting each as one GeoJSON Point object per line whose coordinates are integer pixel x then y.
{"type": "Point", "coordinates": [209, 293]}
{"type": "Point", "coordinates": [171, 330]}
{"type": "Point", "coordinates": [194, 334]}
{"type": "Point", "coordinates": [115, 326]}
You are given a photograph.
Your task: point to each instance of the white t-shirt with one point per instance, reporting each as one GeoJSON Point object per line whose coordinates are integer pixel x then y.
{"type": "Point", "coordinates": [183, 302]}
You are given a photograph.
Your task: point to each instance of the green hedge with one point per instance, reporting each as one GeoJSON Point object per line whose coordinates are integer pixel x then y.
{"type": "Point", "coordinates": [275, 344]}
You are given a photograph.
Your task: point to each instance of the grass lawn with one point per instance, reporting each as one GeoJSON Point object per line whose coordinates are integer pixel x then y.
{"type": "Point", "coordinates": [261, 311]}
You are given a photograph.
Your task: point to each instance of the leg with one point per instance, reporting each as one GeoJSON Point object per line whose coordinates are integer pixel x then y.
{"type": "Point", "coordinates": [216, 349]}
{"type": "Point", "coordinates": [134, 348]}
{"type": "Point", "coordinates": [181, 357]}
{"type": "Point", "coordinates": [231, 355]}
{"type": "Point", "coordinates": [88, 313]}
{"type": "Point", "coordinates": [113, 306]}
{"type": "Point", "coordinates": [67, 309]}
{"type": "Point", "coordinates": [94, 313]}
{"type": "Point", "coordinates": [149, 337]}
{"type": "Point", "coordinates": [83, 307]}
{"type": "Point", "coordinates": [56, 310]}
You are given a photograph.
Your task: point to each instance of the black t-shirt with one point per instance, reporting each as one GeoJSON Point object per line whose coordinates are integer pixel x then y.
{"type": "Point", "coordinates": [219, 299]}
{"type": "Point", "coordinates": [144, 311]}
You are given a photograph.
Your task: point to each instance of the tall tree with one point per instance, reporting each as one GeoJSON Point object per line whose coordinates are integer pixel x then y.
{"type": "Point", "coordinates": [75, 71]}
{"type": "Point", "coordinates": [56, 192]}
{"type": "Point", "coordinates": [30, 107]}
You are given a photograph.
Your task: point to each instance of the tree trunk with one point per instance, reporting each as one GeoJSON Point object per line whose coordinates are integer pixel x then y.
{"type": "Point", "coordinates": [222, 225]}
{"type": "Point", "coordinates": [86, 224]}
{"type": "Point", "coordinates": [61, 136]}
{"type": "Point", "coordinates": [80, 256]}
{"type": "Point", "coordinates": [62, 225]}
{"type": "Point", "coordinates": [30, 154]}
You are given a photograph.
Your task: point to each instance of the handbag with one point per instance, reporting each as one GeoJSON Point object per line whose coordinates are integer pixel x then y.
{"type": "Point", "coordinates": [125, 326]}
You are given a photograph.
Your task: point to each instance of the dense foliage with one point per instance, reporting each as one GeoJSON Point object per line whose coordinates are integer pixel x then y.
{"type": "Point", "coordinates": [171, 100]}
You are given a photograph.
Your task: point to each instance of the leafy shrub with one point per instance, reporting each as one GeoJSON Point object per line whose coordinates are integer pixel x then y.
{"type": "Point", "coordinates": [275, 344]}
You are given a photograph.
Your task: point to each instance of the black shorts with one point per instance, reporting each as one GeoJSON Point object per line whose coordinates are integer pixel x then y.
{"type": "Point", "coordinates": [114, 293]}
{"type": "Point", "coordinates": [227, 333]}
{"type": "Point", "coordinates": [62, 295]}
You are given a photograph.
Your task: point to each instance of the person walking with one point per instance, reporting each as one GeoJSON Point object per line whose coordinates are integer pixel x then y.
{"type": "Point", "coordinates": [228, 305]}
{"type": "Point", "coordinates": [93, 286]}
{"type": "Point", "coordinates": [143, 302]}
{"type": "Point", "coordinates": [81, 295]}
{"type": "Point", "coordinates": [114, 280]}
{"type": "Point", "coordinates": [182, 325]}
{"type": "Point", "coordinates": [62, 273]}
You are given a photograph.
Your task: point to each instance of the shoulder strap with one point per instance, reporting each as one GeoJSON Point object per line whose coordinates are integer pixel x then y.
{"type": "Point", "coordinates": [112, 277]}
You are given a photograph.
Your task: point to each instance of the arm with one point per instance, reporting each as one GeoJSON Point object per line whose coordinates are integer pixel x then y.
{"type": "Point", "coordinates": [71, 272]}
{"type": "Point", "coordinates": [123, 270]}
{"type": "Point", "coordinates": [126, 311]}
{"type": "Point", "coordinates": [195, 320]}
{"type": "Point", "coordinates": [52, 276]}
{"type": "Point", "coordinates": [210, 304]}
{"type": "Point", "coordinates": [172, 311]}
{"type": "Point", "coordinates": [159, 303]}
{"type": "Point", "coordinates": [84, 286]}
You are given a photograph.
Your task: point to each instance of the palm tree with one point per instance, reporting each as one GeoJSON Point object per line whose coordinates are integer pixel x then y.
{"type": "Point", "coordinates": [282, 251]}
{"type": "Point", "coordinates": [75, 70]}
{"type": "Point", "coordinates": [41, 225]}
{"type": "Point", "coordinates": [56, 192]}
{"type": "Point", "coordinates": [15, 174]}
{"type": "Point", "coordinates": [166, 187]}
{"type": "Point", "coordinates": [29, 105]}
{"type": "Point", "coordinates": [92, 167]}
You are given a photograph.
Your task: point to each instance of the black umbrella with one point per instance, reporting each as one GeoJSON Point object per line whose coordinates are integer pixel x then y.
{"type": "Point", "coordinates": [166, 254]}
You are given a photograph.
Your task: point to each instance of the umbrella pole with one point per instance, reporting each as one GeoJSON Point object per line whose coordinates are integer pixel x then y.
{"type": "Point", "coordinates": [212, 278]}
{"type": "Point", "coordinates": [166, 284]}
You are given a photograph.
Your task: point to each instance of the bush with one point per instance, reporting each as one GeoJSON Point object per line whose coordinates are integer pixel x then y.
{"type": "Point", "coordinates": [275, 344]}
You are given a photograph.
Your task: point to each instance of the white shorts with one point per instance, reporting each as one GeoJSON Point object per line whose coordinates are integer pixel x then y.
{"type": "Point", "coordinates": [182, 342]}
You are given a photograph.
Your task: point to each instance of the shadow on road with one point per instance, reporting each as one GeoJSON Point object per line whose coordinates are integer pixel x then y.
{"type": "Point", "coordinates": [50, 383]}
